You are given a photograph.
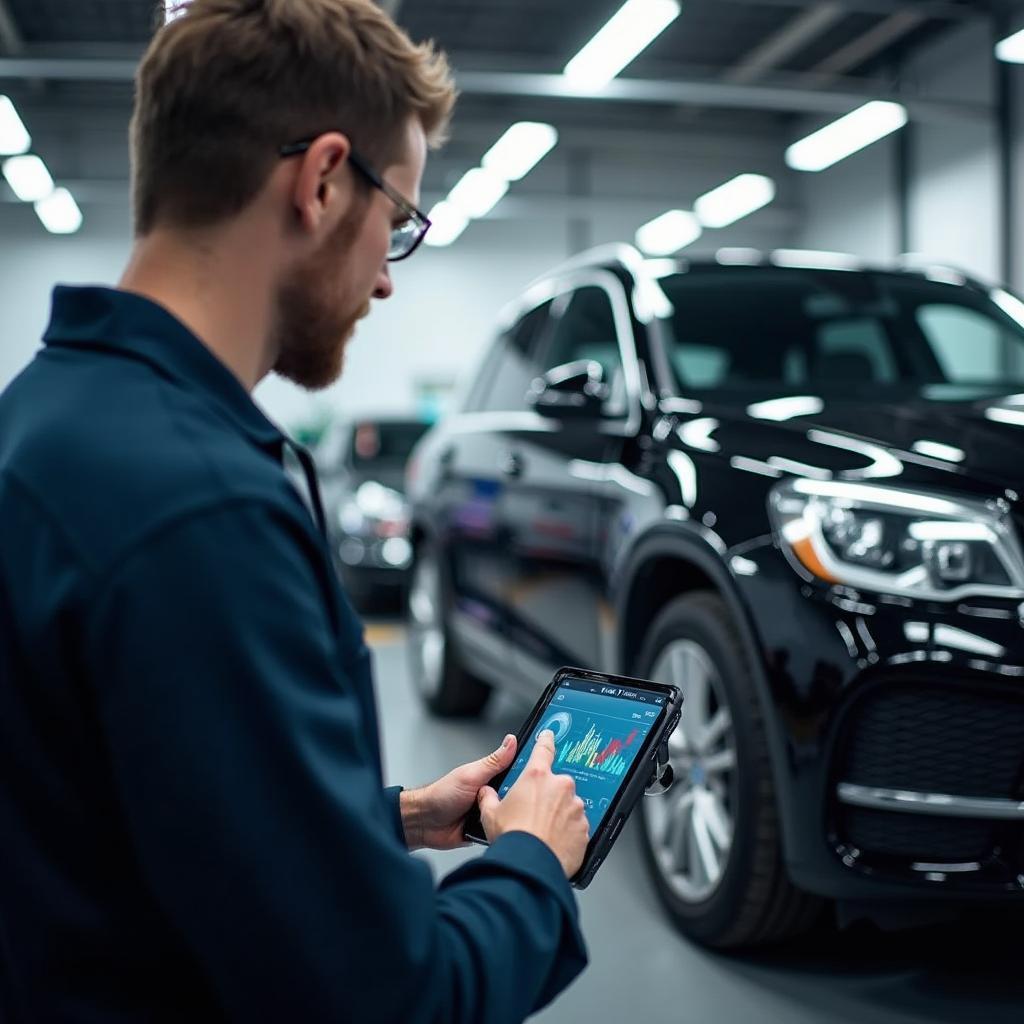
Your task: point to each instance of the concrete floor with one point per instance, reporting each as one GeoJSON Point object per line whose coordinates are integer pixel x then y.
{"type": "Point", "coordinates": [642, 970]}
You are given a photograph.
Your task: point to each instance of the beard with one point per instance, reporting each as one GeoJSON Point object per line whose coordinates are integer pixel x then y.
{"type": "Point", "coordinates": [314, 319]}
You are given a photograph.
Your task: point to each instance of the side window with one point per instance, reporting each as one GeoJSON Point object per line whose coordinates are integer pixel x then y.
{"type": "Point", "coordinates": [967, 344]}
{"type": "Point", "coordinates": [515, 364]}
{"type": "Point", "coordinates": [586, 330]}
{"type": "Point", "coordinates": [853, 350]}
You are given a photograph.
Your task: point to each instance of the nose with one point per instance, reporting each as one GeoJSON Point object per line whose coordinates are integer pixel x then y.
{"type": "Point", "coordinates": [385, 286]}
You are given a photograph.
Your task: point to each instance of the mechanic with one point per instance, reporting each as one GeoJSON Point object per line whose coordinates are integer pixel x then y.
{"type": "Point", "coordinates": [193, 816]}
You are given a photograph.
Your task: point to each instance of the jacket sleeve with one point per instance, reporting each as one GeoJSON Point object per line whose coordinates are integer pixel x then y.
{"type": "Point", "coordinates": [254, 802]}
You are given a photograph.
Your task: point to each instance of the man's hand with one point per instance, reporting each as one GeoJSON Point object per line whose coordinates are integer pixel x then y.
{"type": "Point", "coordinates": [433, 816]}
{"type": "Point", "coordinates": [543, 804]}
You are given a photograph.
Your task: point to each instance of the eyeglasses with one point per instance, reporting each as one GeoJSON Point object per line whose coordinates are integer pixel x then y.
{"type": "Point", "coordinates": [406, 237]}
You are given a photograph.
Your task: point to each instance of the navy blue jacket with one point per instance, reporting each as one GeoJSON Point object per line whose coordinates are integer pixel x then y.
{"type": "Point", "coordinates": [193, 824]}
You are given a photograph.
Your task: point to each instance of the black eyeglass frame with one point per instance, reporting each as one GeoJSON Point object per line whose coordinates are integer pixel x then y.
{"type": "Point", "coordinates": [417, 216]}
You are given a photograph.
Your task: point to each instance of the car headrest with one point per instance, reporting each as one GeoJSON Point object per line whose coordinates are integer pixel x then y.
{"type": "Point", "coordinates": [849, 366]}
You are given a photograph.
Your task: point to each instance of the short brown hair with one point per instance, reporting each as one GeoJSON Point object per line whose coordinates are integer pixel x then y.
{"type": "Point", "coordinates": [227, 83]}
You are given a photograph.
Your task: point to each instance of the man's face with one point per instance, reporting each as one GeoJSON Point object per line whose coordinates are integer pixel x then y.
{"type": "Point", "coordinates": [320, 299]}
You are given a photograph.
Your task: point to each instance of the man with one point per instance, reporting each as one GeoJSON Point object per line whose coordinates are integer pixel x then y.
{"type": "Point", "coordinates": [192, 814]}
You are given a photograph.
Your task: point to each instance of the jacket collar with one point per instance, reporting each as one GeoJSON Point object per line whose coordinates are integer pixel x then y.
{"type": "Point", "coordinates": [135, 327]}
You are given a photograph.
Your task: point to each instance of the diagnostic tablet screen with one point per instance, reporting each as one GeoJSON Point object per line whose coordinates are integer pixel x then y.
{"type": "Point", "coordinates": [599, 730]}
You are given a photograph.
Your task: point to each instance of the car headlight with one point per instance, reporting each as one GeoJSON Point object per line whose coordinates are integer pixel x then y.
{"type": "Point", "coordinates": [897, 542]}
{"type": "Point", "coordinates": [376, 501]}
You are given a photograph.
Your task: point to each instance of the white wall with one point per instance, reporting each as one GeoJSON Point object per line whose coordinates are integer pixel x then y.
{"type": "Point", "coordinates": [953, 213]}
{"type": "Point", "coordinates": [437, 323]}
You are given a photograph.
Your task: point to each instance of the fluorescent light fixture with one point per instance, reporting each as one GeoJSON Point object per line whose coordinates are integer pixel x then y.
{"type": "Point", "coordinates": [629, 32]}
{"type": "Point", "coordinates": [1011, 49]}
{"type": "Point", "coordinates": [734, 200]}
{"type": "Point", "coordinates": [739, 257]}
{"type": "Point", "coordinates": [842, 138]}
{"type": "Point", "coordinates": [59, 212]}
{"type": "Point", "coordinates": [14, 138]}
{"type": "Point", "coordinates": [520, 149]}
{"type": "Point", "coordinates": [174, 9]}
{"type": "Point", "coordinates": [29, 178]}
{"type": "Point", "coordinates": [809, 259]}
{"type": "Point", "coordinates": [668, 233]}
{"type": "Point", "coordinates": [446, 224]}
{"type": "Point", "coordinates": [1009, 304]}
{"type": "Point", "coordinates": [478, 192]}
{"type": "Point", "coordinates": [660, 268]}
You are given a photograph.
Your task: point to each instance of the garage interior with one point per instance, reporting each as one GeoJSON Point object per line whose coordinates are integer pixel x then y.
{"type": "Point", "coordinates": [726, 89]}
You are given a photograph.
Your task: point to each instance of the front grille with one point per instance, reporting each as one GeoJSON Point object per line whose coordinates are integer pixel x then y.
{"type": "Point", "coordinates": [931, 738]}
{"type": "Point", "coordinates": [936, 740]}
{"type": "Point", "coordinates": [917, 838]}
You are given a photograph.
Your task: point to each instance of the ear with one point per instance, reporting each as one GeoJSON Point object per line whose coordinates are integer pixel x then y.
{"type": "Point", "coordinates": [319, 184]}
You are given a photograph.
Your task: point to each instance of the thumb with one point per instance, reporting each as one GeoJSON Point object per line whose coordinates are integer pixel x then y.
{"type": "Point", "coordinates": [499, 759]}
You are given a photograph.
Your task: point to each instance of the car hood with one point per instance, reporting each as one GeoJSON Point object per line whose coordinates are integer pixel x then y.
{"type": "Point", "coordinates": [968, 433]}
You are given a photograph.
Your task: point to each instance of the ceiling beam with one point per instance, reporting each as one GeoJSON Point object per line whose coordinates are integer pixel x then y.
{"type": "Point", "coordinates": [695, 92]}
{"type": "Point", "coordinates": [860, 50]}
{"type": "Point", "coordinates": [783, 99]}
{"type": "Point", "coordinates": [943, 10]}
{"type": "Point", "coordinates": [790, 39]}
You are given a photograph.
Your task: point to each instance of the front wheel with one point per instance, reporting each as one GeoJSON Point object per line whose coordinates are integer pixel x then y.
{"type": "Point", "coordinates": [445, 686]}
{"type": "Point", "coordinates": [712, 842]}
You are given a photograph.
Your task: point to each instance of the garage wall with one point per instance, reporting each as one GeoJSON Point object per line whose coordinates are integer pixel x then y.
{"type": "Point", "coordinates": [953, 211]}
{"type": "Point", "coordinates": [446, 300]}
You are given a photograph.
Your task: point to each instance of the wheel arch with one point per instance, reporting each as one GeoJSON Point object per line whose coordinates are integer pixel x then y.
{"type": "Point", "coordinates": [667, 563]}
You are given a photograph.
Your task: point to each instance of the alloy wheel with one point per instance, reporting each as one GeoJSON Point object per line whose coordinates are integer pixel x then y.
{"type": "Point", "coordinates": [426, 627]}
{"type": "Point", "coordinates": [691, 827]}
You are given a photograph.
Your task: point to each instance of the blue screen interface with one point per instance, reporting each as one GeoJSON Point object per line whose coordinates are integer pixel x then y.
{"type": "Point", "coordinates": [599, 729]}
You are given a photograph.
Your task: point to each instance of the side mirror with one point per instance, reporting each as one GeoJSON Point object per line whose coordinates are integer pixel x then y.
{"type": "Point", "coordinates": [571, 391]}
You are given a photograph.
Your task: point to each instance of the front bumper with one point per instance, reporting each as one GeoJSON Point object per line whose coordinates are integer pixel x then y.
{"type": "Point", "coordinates": [897, 731]}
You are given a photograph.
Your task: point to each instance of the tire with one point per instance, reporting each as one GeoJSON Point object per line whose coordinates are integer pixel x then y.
{"type": "Point", "coordinates": [442, 682]}
{"type": "Point", "coordinates": [729, 813]}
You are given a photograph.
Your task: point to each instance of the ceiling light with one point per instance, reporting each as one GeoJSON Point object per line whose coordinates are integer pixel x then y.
{"type": "Point", "coordinates": [446, 224]}
{"type": "Point", "coordinates": [59, 212]}
{"type": "Point", "coordinates": [519, 150]}
{"type": "Point", "coordinates": [668, 233]}
{"type": "Point", "coordinates": [13, 136]}
{"type": "Point", "coordinates": [478, 192]}
{"type": "Point", "coordinates": [734, 200]}
{"type": "Point", "coordinates": [630, 31]}
{"type": "Point", "coordinates": [1011, 49]}
{"type": "Point", "coordinates": [739, 257]}
{"type": "Point", "coordinates": [174, 9]}
{"type": "Point", "coordinates": [809, 259]}
{"type": "Point", "coordinates": [846, 136]}
{"type": "Point", "coordinates": [29, 178]}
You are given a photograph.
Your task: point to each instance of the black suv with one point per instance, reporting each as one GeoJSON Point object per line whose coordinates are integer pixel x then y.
{"type": "Point", "coordinates": [788, 484]}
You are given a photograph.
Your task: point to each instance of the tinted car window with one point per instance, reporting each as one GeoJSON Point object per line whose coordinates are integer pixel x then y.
{"type": "Point", "coordinates": [745, 327]}
{"type": "Point", "coordinates": [586, 330]}
{"type": "Point", "coordinates": [970, 346]}
{"type": "Point", "coordinates": [515, 366]}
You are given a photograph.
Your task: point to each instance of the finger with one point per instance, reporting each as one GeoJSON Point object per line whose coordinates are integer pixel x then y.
{"type": "Point", "coordinates": [487, 800]}
{"type": "Point", "coordinates": [543, 755]}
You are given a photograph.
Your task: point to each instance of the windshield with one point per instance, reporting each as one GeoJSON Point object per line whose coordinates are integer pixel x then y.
{"type": "Point", "coordinates": [733, 328]}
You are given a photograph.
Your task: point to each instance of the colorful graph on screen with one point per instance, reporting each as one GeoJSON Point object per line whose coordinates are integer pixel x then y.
{"type": "Point", "coordinates": [593, 752]}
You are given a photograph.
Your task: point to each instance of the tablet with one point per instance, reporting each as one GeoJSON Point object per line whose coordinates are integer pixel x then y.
{"type": "Point", "coordinates": [609, 731]}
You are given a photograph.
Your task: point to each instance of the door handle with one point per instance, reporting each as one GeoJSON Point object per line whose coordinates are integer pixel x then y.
{"type": "Point", "coordinates": [446, 459]}
{"type": "Point", "coordinates": [512, 464]}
